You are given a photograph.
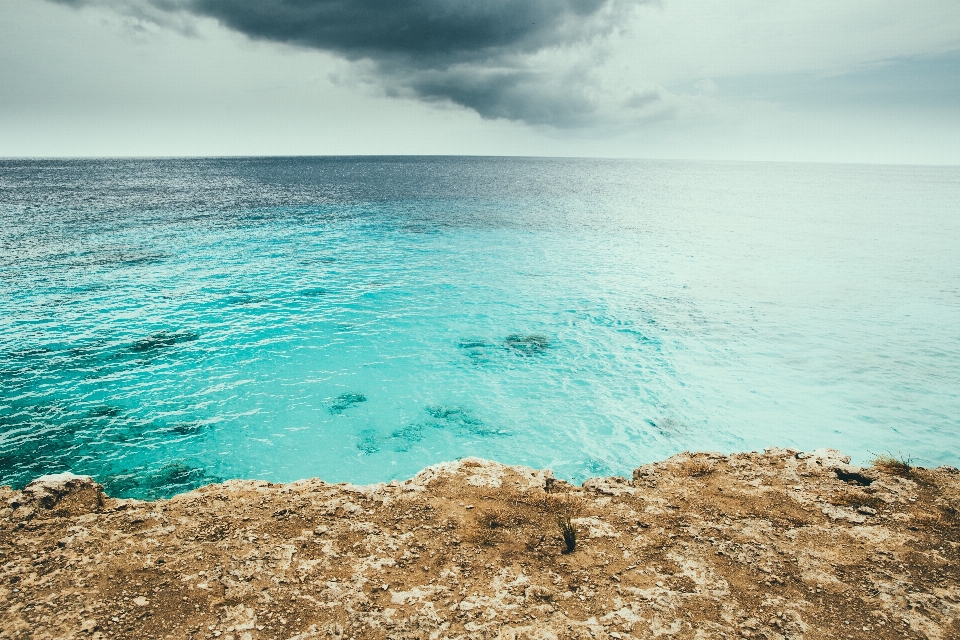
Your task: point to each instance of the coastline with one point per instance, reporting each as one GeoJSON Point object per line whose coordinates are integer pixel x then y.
{"type": "Point", "coordinates": [780, 544]}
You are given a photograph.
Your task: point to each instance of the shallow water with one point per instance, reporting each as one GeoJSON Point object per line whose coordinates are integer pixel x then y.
{"type": "Point", "coordinates": [168, 323]}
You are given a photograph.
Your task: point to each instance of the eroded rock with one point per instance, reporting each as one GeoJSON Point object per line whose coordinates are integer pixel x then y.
{"type": "Point", "coordinates": [769, 545]}
{"type": "Point", "coordinates": [64, 492]}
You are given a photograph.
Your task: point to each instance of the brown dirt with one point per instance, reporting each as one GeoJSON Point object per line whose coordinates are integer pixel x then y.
{"type": "Point", "coordinates": [774, 545]}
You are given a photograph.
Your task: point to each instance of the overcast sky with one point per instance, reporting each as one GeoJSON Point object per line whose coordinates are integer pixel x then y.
{"type": "Point", "coordinates": [804, 80]}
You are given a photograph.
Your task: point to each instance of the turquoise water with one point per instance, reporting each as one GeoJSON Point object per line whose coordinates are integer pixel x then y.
{"type": "Point", "coordinates": [168, 323]}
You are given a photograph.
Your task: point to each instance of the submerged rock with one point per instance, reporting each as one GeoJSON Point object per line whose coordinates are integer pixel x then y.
{"type": "Point", "coordinates": [527, 344]}
{"type": "Point", "coordinates": [406, 437]}
{"type": "Point", "coordinates": [441, 417]}
{"type": "Point", "coordinates": [369, 441]}
{"type": "Point", "coordinates": [104, 411]}
{"type": "Point", "coordinates": [459, 418]}
{"type": "Point", "coordinates": [186, 428]}
{"type": "Point", "coordinates": [344, 401]}
{"type": "Point", "coordinates": [452, 414]}
{"type": "Point", "coordinates": [163, 339]}
{"type": "Point", "coordinates": [474, 344]}
{"type": "Point", "coordinates": [28, 353]}
{"type": "Point", "coordinates": [171, 478]}
{"type": "Point", "coordinates": [177, 473]}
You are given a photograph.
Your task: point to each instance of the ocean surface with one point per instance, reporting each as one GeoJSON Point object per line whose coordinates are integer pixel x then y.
{"type": "Point", "coordinates": [169, 323]}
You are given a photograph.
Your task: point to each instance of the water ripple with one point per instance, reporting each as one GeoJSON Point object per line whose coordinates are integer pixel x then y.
{"type": "Point", "coordinates": [171, 323]}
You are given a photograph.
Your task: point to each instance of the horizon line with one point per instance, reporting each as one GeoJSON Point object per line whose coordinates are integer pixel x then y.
{"type": "Point", "coordinates": [465, 155]}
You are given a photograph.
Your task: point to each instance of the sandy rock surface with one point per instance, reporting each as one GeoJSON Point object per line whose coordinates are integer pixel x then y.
{"type": "Point", "coordinates": [781, 544]}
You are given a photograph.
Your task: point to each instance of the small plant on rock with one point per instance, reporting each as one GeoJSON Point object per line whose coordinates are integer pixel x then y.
{"type": "Point", "coordinates": [857, 499]}
{"type": "Point", "coordinates": [494, 526]}
{"type": "Point", "coordinates": [695, 468]}
{"type": "Point", "coordinates": [897, 466]}
{"type": "Point", "coordinates": [564, 510]}
{"type": "Point", "coordinates": [494, 519]}
{"type": "Point", "coordinates": [568, 532]}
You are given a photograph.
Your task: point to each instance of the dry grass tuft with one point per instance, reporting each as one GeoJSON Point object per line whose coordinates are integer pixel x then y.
{"type": "Point", "coordinates": [568, 532]}
{"type": "Point", "coordinates": [695, 468]}
{"type": "Point", "coordinates": [500, 524]}
{"type": "Point", "coordinates": [494, 519]}
{"type": "Point", "coordinates": [892, 465]}
{"type": "Point", "coordinates": [857, 499]}
{"type": "Point", "coordinates": [523, 519]}
{"type": "Point", "coordinates": [928, 519]}
{"type": "Point", "coordinates": [484, 537]}
{"type": "Point", "coordinates": [564, 509]}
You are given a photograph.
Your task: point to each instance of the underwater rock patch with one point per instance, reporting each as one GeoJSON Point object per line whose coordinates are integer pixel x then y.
{"type": "Point", "coordinates": [399, 440]}
{"type": "Point", "coordinates": [474, 344]}
{"type": "Point", "coordinates": [116, 257]}
{"type": "Point", "coordinates": [668, 426]}
{"type": "Point", "coordinates": [369, 441]}
{"type": "Point", "coordinates": [344, 401]}
{"type": "Point", "coordinates": [140, 259]}
{"type": "Point", "coordinates": [172, 478]}
{"type": "Point", "coordinates": [411, 432]}
{"type": "Point", "coordinates": [49, 409]}
{"type": "Point", "coordinates": [243, 300]}
{"type": "Point", "coordinates": [177, 473]}
{"type": "Point", "coordinates": [441, 417]}
{"type": "Point", "coordinates": [14, 373]}
{"type": "Point", "coordinates": [87, 350]}
{"type": "Point", "coordinates": [459, 418]}
{"type": "Point", "coordinates": [186, 428]}
{"type": "Point", "coordinates": [479, 351]}
{"type": "Point", "coordinates": [407, 436]}
{"type": "Point", "coordinates": [315, 292]}
{"type": "Point", "coordinates": [104, 411]}
{"type": "Point", "coordinates": [452, 414]}
{"type": "Point", "coordinates": [30, 352]}
{"type": "Point", "coordinates": [163, 339]}
{"type": "Point", "coordinates": [8, 463]}
{"type": "Point", "coordinates": [527, 344]}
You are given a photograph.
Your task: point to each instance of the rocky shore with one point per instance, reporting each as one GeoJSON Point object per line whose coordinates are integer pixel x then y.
{"type": "Point", "coordinates": [780, 544]}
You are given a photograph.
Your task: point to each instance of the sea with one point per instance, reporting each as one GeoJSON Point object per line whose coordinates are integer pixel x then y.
{"type": "Point", "coordinates": [167, 323]}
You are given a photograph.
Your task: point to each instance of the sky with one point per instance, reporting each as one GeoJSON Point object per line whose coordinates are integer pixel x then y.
{"type": "Point", "coordinates": [874, 81]}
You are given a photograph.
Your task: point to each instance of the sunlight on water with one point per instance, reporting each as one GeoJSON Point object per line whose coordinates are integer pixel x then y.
{"type": "Point", "coordinates": [170, 323]}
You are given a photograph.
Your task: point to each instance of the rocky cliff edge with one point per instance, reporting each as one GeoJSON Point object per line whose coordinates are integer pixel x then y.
{"type": "Point", "coordinates": [780, 544]}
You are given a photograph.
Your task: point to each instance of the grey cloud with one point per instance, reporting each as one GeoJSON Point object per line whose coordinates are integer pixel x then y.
{"type": "Point", "coordinates": [480, 54]}
{"type": "Point", "coordinates": [642, 100]}
{"type": "Point", "coordinates": [433, 32]}
{"type": "Point", "coordinates": [520, 94]}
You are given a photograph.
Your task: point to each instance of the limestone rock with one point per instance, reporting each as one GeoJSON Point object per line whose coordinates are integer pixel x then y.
{"type": "Point", "coordinates": [779, 544]}
{"type": "Point", "coordinates": [613, 486]}
{"type": "Point", "coordinates": [63, 492]}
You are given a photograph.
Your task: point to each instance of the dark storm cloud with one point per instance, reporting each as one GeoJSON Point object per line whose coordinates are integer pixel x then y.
{"type": "Point", "coordinates": [433, 32]}
{"type": "Point", "coordinates": [474, 53]}
{"type": "Point", "coordinates": [514, 94]}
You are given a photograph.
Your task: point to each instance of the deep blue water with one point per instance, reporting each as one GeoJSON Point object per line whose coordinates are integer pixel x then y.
{"type": "Point", "coordinates": [167, 323]}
